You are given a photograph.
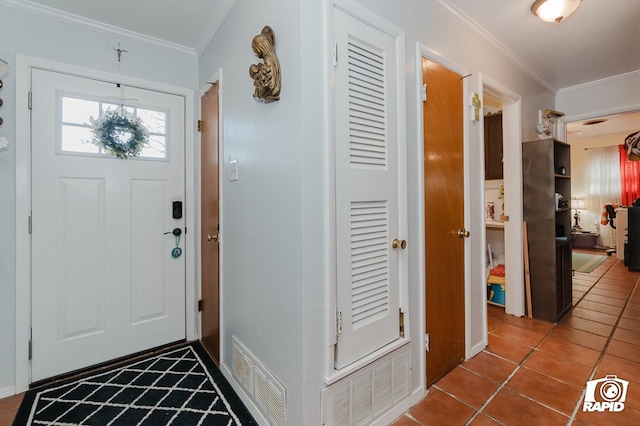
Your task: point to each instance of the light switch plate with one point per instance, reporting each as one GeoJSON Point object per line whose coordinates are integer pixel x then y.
{"type": "Point", "coordinates": [233, 170]}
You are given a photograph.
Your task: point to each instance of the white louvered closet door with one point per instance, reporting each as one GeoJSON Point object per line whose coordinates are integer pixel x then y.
{"type": "Point", "coordinates": [368, 188]}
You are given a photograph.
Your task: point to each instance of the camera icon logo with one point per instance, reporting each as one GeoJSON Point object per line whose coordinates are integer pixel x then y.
{"type": "Point", "coordinates": [606, 394]}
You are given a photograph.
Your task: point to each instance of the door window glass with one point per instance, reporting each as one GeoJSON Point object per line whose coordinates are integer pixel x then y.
{"type": "Point", "coordinates": [77, 123]}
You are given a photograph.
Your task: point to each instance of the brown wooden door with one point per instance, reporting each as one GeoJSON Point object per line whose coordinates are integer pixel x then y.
{"type": "Point", "coordinates": [444, 217]}
{"type": "Point", "coordinates": [210, 219]}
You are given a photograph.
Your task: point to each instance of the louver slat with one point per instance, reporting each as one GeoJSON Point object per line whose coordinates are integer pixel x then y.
{"type": "Point", "coordinates": [367, 109]}
{"type": "Point", "coordinates": [369, 262]}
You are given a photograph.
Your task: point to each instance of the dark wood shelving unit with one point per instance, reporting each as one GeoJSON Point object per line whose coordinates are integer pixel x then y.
{"type": "Point", "coordinates": [549, 227]}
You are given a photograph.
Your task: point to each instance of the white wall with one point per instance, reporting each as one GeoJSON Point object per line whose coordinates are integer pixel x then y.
{"type": "Point", "coordinates": [602, 97]}
{"type": "Point", "coordinates": [276, 263]}
{"type": "Point", "coordinates": [272, 215]}
{"type": "Point", "coordinates": [33, 35]}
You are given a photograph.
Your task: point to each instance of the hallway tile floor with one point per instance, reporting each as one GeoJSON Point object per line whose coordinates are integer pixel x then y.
{"type": "Point", "coordinates": [535, 373]}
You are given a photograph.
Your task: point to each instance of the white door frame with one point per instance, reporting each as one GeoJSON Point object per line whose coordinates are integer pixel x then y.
{"type": "Point", "coordinates": [24, 64]}
{"type": "Point", "coordinates": [512, 146]}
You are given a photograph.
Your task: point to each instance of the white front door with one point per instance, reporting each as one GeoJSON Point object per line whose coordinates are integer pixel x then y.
{"type": "Point", "coordinates": [104, 281]}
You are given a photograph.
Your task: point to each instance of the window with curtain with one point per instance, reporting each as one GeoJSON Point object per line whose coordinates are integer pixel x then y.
{"type": "Point", "coordinates": [629, 177]}
{"type": "Point", "coordinates": [604, 186]}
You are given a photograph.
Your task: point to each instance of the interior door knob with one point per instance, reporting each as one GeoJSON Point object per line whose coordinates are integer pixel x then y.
{"type": "Point", "coordinates": [213, 237]}
{"type": "Point", "coordinates": [401, 244]}
{"type": "Point", "coordinates": [463, 233]}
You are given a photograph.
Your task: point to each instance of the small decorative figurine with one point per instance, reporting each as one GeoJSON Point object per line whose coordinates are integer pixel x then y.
{"type": "Point", "coordinates": [266, 76]}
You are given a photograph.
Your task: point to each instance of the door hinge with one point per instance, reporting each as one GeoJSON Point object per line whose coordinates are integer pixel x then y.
{"type": "Point", "coordinates": [29, 99]}
{"type": "Point", "coordinates": [30, 223]}
{"type": "Point", "coordinates": [200, 305]}
{"type": "Point", "coordinates": [199, 125]}
{"type": "Point", "coordinates": [335, 54]}
{"type": "Point", "coordinates": [424, 93]}
{"type": "Point", "coordinates": [30, 349]}
{"type": "Point", "coordinates": [401, 320]}
{"type": "Point", "coordinates": [339, 322]}
{"type": "Point", "coordinates": [426, 342]}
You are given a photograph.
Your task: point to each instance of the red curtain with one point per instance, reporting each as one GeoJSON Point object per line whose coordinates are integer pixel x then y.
{"type": "Point", "coordinates": [629, 177]}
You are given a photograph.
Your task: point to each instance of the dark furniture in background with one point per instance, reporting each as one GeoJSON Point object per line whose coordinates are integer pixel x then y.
{"type": "Point", "coordinates": [493, 146]}
{"type": "Point", "coordinates": [549, 227]}
{"type": "Point", "coordinates": [632, 249]}
{"type": "Point", "coordinates": [584, 240]}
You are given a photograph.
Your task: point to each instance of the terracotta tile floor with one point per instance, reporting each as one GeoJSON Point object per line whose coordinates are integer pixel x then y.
{"type": "Point", "coordinates": [535, 373]}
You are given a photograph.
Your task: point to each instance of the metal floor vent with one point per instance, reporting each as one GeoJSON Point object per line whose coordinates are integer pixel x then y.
{"type": "Point", "coordinates": [365, 395]}
{"type": "Point", "coordinates": [265, 391]}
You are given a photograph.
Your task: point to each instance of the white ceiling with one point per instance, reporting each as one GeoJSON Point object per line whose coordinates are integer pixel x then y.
{"type": "Point", "coordinates": [616, 124]}
{"type": "Point", "coordinates": [601, 38]}
{"type": "Point", "coordinates": [185, 24]}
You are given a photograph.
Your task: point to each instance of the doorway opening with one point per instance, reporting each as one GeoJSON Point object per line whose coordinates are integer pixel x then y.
{"type": "Point", "coordinates": [596, 180]}
{"type": "Point", "coordinates": [503, 229]}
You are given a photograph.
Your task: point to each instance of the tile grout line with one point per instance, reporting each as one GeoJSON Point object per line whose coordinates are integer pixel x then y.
{"type": "Point", "coordinates": [477, 412]}
{"type": "Point", "coordinates": [606, 346]}
{"type": "Point", "coordinates": [513, 373]}
{"type": "Point", "coordinates": [571, 418]}
{"type": "Point", "coordinates": [521, 364]}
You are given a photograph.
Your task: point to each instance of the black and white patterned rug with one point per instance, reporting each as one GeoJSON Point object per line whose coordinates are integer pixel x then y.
{"type": "Point", "coordinates": [178, 387]}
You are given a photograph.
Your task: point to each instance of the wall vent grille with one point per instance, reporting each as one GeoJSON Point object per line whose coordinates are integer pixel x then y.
{"type": "Point", "coordinates": [361, 397]}
{"type": "Point", "coordinates": [265, 391]}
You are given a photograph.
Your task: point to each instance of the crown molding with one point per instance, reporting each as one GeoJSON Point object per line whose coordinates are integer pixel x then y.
{"type": "Point", "coordinates": [612, 79]}
{"type": "Point", "coordinates": [92, 25]}
{"type": "Point", "coordinates": [482, 34]}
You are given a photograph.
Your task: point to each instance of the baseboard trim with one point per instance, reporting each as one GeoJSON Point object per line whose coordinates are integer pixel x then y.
{"type": "Point", "coordinates": [475, 350]}
{"type": "Point", "coordinates": [8, 391]}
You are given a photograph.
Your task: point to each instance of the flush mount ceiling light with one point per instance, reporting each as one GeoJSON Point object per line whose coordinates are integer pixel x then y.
{"type": "Point", "coordinates": [554, 10]}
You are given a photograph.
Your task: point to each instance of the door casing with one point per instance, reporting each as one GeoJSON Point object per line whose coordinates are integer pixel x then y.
{"type": "Point", "coordinates": [23, 66]}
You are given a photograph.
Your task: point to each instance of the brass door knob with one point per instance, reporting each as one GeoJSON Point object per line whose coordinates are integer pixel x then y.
{"type": "Point", "coordinates": [213, 237]}
{"type": "Point", "coordinates": [401, 244]}
{"type": "Point", "coordinates": [463, 233]}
